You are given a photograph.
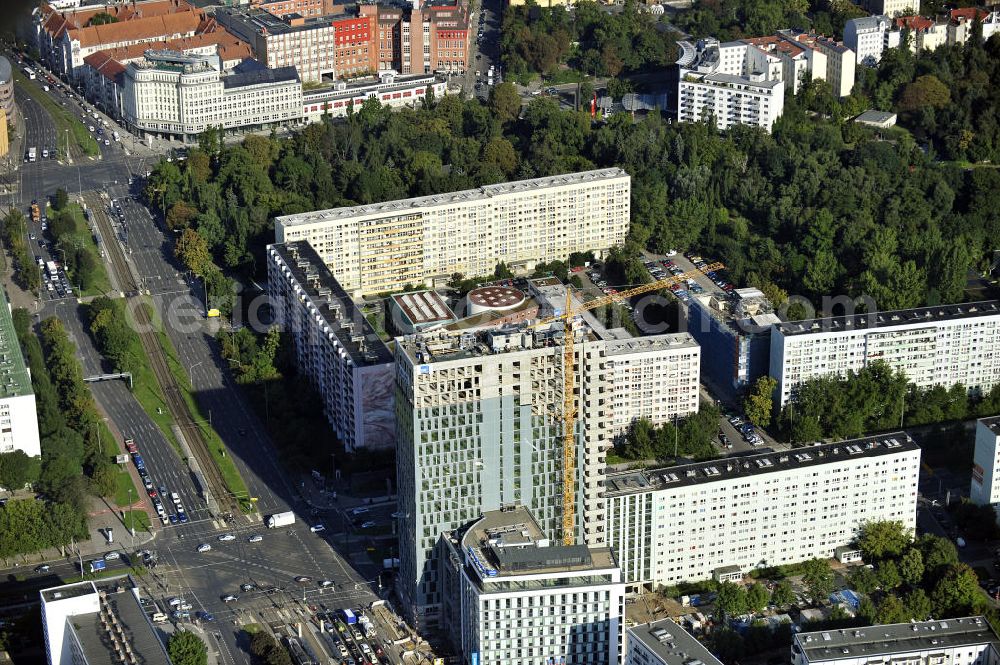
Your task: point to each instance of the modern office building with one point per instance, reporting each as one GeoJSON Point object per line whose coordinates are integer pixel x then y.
{"type": "Point", "coordinates": [382, 247]}
{"type": "Point", "coordinates": [734, 332]}
{"type": "Point", "coordinates": [173, 95]}
{"type": "Point", "coordinates": [66, 38]}
{"type": "Point", "coordinates": [985, 487]}
{"type": "Point", "coordinates": [389, 88]}
{"type": "Point", "coordinates": [712, 85]}
{"type": "Point", "coordinates": [892, 7]}
{"type": "Point", "coordinates": [961, 641]}
{"type": "Point", "coordinates": [510, 595]}
{"type": "Point", "coordinates": [91, 623]}
{"type": "Point", "coordinates": [18, 417]}
{"type": "Point", "coordinates": [934, 346]}
{"type": "Point", "coordinates": [688, 522]}
{"type": "Point", "coordinates": [480, 428]}
{"type": "Point", "coordinates": [664, 643]}
{"type": "Point", "coordinates": [336, 349]}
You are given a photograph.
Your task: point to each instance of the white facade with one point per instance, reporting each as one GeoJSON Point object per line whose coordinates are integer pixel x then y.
{"type": "Point", "coordinates": [382, 247]}
{"type": "Point", "coordinates": [684, 523]}
{"type": "Point", "coordinates": [59, 604]}
{"type": "Point", "coordinates": [19, 425]}
{"type": "Point", "coordinates": [390, 90]}
{"type": "Point", "coordinates": [473, 404]}
{"type": "Point", "coordinates": [959, 641]}
{"type": "Point", "coordinates": [712, 84]}
{"type": "Point", "coordinates": [551, 604]}
{"type": "Point", "coordinates": [934, 346]}
{"type": "Point", "coordinates": [336, 349]}
{"type": "Point", "coordinates": [985, 487]}
{"type": "Point", "coordinates": [867, 37]}
{"type": "Point", "coordinates": [172, 94]}
{"type": "Point", "coordinates": [893, 7]}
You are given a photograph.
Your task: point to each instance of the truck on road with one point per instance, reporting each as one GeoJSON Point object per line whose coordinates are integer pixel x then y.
{"type": "Point", "coordinates": [349, 617]}
{"type": "Point", "coordinates": [280, 519]}
{"type": "Point", "coordinates": [52, 268]}
{"type": "Point", "coordinates": [98, 565]}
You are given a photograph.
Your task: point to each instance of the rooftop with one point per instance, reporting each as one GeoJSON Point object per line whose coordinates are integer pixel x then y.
{"type": "Point", "coordinates": [442, 345]}
{"type": "Point", "coordinates": [920, 315]}
{"type": "Point", "coordinates": [496, 296]}
{"type": "Point", "coordinates": [508, 543]}
{"type": "Point", "coordinates": [261, 76]}
{"type": "Point", "coordinates": [5, 70]}
{"type": "Point", "coordinates": [873, 116]}
{"type": "Point", "coordinates": [68, 591]}
{"type": "Point", "coordinates": [260, 21]}
{"type": "Point", "coordinates": [423, 307]}
{"type": "Point", "coordinates": [631, 482]}
{"type": "Point", "coordinates": [993, 423]}
{"type": "Point", "coordinates": [344, 321]}
{"type": "Point", "coordinates": [866, 643]}
{"type": "Point", "coordinates": [744, 311]}
{"type": "Point", "coordinates": [671, 643]}
{"type": "Point", "coordinates": [732, 79]}
{"type": "Point", "coordinates": [125, 620]}
{"type": "Point", "coordinates": [14, 378]}
{"type": "Point", "coordinates": [481, 194]}
{"type": "Point", "coordinates": [342, 89]}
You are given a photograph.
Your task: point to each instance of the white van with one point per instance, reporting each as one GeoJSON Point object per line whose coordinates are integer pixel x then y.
{"type": "Point", "coordinates": [158, 617]}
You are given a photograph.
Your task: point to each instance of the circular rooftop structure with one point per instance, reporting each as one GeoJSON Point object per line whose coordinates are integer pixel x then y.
{"type": "Point", "coordinates": [494, 299]}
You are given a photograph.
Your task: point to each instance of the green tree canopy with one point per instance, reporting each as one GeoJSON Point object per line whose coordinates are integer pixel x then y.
{"type": "Point", "coordinates": [186, 648]}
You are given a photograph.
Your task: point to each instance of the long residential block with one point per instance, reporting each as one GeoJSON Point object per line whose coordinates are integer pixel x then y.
{"type": "Point", "coordinates": [382, 247]}
{"type": "Point", "coordinates": [687, 522]}
{"type": "Point", "coordinates": [336, 349]}
{"type": "Point", "coordinates": [934, 346]}
{"type": "Point", "coordinates": [18, 415]}
{"type": "Point", "coordinates": [985, 487]}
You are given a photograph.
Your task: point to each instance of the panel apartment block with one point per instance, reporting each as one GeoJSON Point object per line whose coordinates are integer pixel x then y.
{"type": "Point", "coordinates": [683, 523]}
{"type": "Point", "coordinates": [959, 641]}
{"type": "Point", "coordinates": [934, 346]}
{"type": "Point", "coordinates": [985, 487]}
{"type": "Point", "coordinates": [18, 416]}
{"type": "Point", "coordinates": [336, 349]}
{"type": "Point", "coordinates": [479, 417]}
{"type": "Point", "coordinates": [382, 247]}
{"type": "Point", "coordinates": [511, 596]}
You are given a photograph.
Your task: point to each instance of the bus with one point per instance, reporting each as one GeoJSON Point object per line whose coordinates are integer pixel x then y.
{"type": "Point", "coordinates": [29, 73]}
{"type": "Point", "coordinates": [32, 154]}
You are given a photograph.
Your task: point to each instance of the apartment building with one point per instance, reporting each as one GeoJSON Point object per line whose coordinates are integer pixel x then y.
{"type": "Point", "coordinates": [934, 346]}
{"type": "Point", "coordinates": [18, 416]}
{"type": "Point", "coordinates": [892, 7]}
{"type": "Point", "coordinates": [985, 487]}
{"type": "Point", "coordinates": [66, 38]}
{"type": "Point", "coordinates": [960, 641]}
{"type": "Point", "coordinates": [389, 88]}
{"type": "Point", "coordinates": [786, 60]}
{"type": "Point", "coordinates": [333, 46]}
{"type": "Point", "coordinates": [336, 349]}
{"type": "Point", "coordinates": [382, 247]}
{"type": "Point", "coordinates": [868, 37]}
{"type": "Point", "coordinates": [694, 521]}
{"type": "Point", "coordinates": [734, 332]}
{"type": "Point", "coordinates": [840, 59]}
{"type": "Point", "coordinates": [664, 643]}
{"type": "Point", "coordinates": [282, 8]}
{"type": "Point", "coordinates": [173, 95]}
{"type": "Point", "coordinates": [423, 38]}
{"type": "Point", "coordinates": [480, 427]}
{"type": "Point", "coordinates": [926, 34]}
{"type": "Point", "coordinates": [512, 596]}
{"type": "Point", "coordinates": [103, 72]}
{"type": "Point", "coordinates": [712, 87]}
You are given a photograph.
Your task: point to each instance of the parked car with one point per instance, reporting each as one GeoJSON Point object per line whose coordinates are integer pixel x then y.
{"type": "Point", "coordinates": [204, 547]}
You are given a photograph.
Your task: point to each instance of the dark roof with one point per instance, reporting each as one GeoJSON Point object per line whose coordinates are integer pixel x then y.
{"type": "Point", "coordinates": [525, 559]}
{"type": "Point", "coordinates": [254, 76]}
{"type": "Point", "coordinates": [893, 318]}
{"type": "Point", "coordinates": [993, 423]}
{"type": "Point", "coordinates": [672, 644]}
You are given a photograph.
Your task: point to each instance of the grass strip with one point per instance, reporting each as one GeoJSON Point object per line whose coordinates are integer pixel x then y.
{"type": "Point", "coordinates": [61, 116]}
{"type": "Point", "coordinates": [138, 520]}
{"type": "Point", "coordinates": [101, 284]}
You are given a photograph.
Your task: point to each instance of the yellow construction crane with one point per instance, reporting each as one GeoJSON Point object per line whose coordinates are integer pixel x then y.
{"type": "Point", "coordinates": [569, 381]}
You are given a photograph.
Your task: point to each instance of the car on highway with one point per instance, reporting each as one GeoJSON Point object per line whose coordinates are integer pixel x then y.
{"type": "Point", "coordinates": [325, 583]}
{"type": "Point", "coordinates": [226, 537]}
{"type": "Point", "coordinates": [184, 605]}
{"type": "Point", "coordinates": [316, 528]}
{"type": "Point", "coordinates": [112, 556]}
{"type": "Point", "coordinates": [162, 489]}
{"type": "Point", "coordinates": [173, 518]}
{"type": "Point", "coordinates": [151, 493]}
{"type": "Point", "coordinates": [255, 538]}
{"type": "Point", "coordinates": [174, 602]}
{"type": "Point", "coordinates": [247, 586]}
{"type": "Point", "coordinates": [302, 579]}
{"type": "Point", "coordinates": [44, 568]}
{"type": "Point", "coordinates": [179, 615]}
{"type": "Point", "coordinates": [204, 547]}
{"type": "Point", "coordinates": [229, 598]}
{"type": "Point", "coordinates": [367, 525]}
{"type": "Point", "coordinates": [130, 446]}
{"type": "Point", "coordinates": [182, 516]}
{"type": "Point", "coordinates": [205, 616]}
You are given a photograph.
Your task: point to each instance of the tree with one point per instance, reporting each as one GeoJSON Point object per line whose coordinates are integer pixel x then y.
{"type": "Point", "coordinates": [926, 91]}
{"type": "Point", "coordinates": [758, 405]}
{"type": "Point", "coordinates": [863, 580]}
{"type": "Point", "coordinates": [891, 610]}
{"type": "Point", "coordinates": [783, 594]}
{"type": "Point", "coordinates": [17, 470]}
{"type": "Point", "coordinates": [186, 648]}
{"type": "Point", "coordinates": [918, 605]}
{"type": "Point", "coordinates": [105, 480]}
{"type": "Point", "coordinates": [267, 650]}
{"type": "Point", "coordinates": [102, 18]}
{"type": "Point", "coordinates": [180, 216]}
{"type": "Point", "coordinates": [955, 594]}
{"type": "Point", "coordinates": [888, 575]}
{"type": "Point", "coordinates": [818, 579]}
{"type": "Point", "coordinates": [193, 252]}
{"type": "Point", "coordinates": [61, 199]}
{"type": "Point", "coordinates": [911, 566]}
{"type": "Point", "coordinates": [757, 597]}
{"type": "Point", "coordinates": [938, 554]}
{"type": "Point", "coordinates": [887, 538]}
{"type": "Point", "coordinates": [731, 600]}
{"type": "Point", "coordinates": [505, 103]}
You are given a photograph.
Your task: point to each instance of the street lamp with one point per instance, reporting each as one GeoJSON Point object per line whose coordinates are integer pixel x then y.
{"type": "Point", "coordinates": [191, 372]}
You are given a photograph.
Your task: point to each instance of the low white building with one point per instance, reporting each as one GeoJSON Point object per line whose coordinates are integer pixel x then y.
{"type": "Point", "coordinates": [712, 85]}
{"type": "Point", "coordinates": [985, 487]}
{"type": "Point", "coordinates": [509, 595]}
{"type": "Point", "coordinates": [962, 641]}
{"type": "Point", "coordinates": [18, 416]}
{"type": "Point", "coordinates": [690, 522]}
{"type": "Point", "coordinates": [336, 348]}
{"type": "Point", "coordinates": [389, 89]}
{"type": "Point", "coordinates": [664, 643]}
{"type": "Point", "coordinates": [171, 94]}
